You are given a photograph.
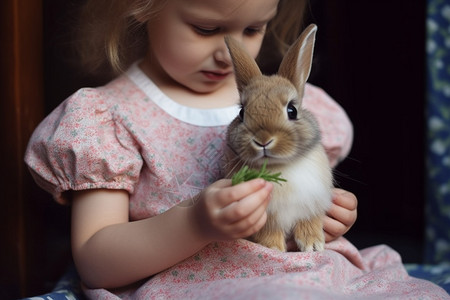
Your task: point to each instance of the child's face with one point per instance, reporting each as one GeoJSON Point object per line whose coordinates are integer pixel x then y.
{"type": "Point", "coordinates": [186, 40]}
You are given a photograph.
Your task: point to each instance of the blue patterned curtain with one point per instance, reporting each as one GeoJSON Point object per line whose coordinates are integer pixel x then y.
{"type": "Point", "coordinates": [438, 132]}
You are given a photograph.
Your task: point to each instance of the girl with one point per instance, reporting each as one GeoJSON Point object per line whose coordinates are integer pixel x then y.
{"type": "Point", "coordinates": [127, 154]}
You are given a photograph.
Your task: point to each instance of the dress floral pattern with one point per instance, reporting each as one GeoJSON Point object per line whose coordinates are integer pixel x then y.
{"type": "Point", "coordinates": [129, 135]}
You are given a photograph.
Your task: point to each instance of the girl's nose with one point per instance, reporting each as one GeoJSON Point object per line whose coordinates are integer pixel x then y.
{"type": "Point", "coordinates": [222, 55]}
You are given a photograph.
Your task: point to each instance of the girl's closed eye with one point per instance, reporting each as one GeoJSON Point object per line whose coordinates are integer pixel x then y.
{"type": "Point", "coordinates": [250, 31]}
{"type": "Point", "coordinates": [206, 31]}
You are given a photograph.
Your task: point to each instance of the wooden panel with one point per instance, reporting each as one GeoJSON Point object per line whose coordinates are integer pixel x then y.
{"type": "Point", "coordinates": [21, 109]}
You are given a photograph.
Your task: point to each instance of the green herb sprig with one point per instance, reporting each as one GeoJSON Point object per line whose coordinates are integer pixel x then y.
{"type": "Point", "coordinates": [246, 174]}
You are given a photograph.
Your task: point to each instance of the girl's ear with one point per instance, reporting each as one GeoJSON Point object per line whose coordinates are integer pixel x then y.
{"type": "Point", "coordinates": [245, 67]}
{"type": "Point", "coordinates": [296, 64]}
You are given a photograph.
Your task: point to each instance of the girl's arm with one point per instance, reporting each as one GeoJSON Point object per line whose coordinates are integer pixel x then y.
{"type": "Point", "coordinates": [109, 251]}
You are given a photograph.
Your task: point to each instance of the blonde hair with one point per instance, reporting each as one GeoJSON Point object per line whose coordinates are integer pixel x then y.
{"type": "Point", "coordinates": [112, 33]}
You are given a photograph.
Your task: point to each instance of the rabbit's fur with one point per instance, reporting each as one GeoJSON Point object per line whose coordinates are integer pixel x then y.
{"type": "Point", "coordinates": [273, 127]}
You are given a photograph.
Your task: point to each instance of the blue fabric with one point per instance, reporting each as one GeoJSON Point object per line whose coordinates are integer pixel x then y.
{"type": "Point", "coordinates": [437, 243]}
{"type": "Point", "coordinates": [438, 274]}
{"type": "Point", "coordinates": [67, 288]}
{"type": "Point", "coordinates": [437, 180]}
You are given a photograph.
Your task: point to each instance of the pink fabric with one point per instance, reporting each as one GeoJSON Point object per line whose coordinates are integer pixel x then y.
{"type": "Point", "coordinates": [129, 135]}
{"type": "Point", "coordinates": [244, 270]}
{"type": "Point", "coordinates": [337, 131]}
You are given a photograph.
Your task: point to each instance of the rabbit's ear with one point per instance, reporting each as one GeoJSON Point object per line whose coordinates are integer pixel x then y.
{"type": "Point", "coordinates": [296, 64]}
{"type": "Point", "coordinates": [245, 67]}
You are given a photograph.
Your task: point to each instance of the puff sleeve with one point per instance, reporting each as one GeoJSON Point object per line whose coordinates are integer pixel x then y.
{"type": "Point", "coordinates": [83, 144]}
{"type": "Point", "coordinates": [335, 126]}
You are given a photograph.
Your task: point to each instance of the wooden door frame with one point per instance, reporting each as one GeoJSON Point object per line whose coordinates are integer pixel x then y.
{"type": "Point", "coordinates": [21, 101]}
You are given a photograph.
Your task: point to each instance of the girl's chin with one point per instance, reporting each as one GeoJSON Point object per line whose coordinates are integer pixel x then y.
{"type": "Point", "coordinates": [205, 87]}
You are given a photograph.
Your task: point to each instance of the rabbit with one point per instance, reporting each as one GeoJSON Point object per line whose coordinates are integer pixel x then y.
{"type": "Point", "coordinates": [273, 127]}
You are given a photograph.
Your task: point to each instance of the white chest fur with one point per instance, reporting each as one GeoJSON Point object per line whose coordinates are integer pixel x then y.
{"type": "Point", "coordinates": [307, 192]}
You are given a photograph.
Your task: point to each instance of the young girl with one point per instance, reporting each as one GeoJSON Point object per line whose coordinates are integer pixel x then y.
{"type": "Point", "coordinates": [126, 155]}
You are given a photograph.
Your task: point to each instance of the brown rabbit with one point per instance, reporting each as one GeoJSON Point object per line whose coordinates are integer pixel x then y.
{"type": "Point", "coordinates": [273, 127]}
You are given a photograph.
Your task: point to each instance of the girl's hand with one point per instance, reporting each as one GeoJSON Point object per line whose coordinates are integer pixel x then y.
{"type": "Point", "coordinates": [341, 216]}
{"type": "Point", "coordinates": [224, 212]}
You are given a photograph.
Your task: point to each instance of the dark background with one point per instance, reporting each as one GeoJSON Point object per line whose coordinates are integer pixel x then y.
{"type": "Point", "coordinates": [370, 59]}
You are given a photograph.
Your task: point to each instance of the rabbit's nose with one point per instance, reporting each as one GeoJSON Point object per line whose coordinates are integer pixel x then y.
{"type": "Point", "coordinates": [263, 144]}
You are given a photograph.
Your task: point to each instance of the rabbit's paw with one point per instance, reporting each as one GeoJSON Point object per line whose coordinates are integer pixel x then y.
{"type": "Point", "coordinates": [309, 236]}
{"type": "Point", "coordinates": [273, 239]}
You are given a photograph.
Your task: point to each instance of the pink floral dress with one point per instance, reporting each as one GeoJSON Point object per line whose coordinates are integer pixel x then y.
{"type": "Point", "coordinates": [129, 135]}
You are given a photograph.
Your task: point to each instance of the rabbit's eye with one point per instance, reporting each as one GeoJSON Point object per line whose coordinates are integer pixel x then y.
{"type": "Point", "coordinates": [291, 112]}
{"type": "Point", "coordinates": [241, 114]}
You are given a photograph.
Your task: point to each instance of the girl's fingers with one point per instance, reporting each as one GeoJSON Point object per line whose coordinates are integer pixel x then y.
{"type": "Point", "coordinates": [255, 202]}
{"type": "Point", "coordinates": [227, 194]}
{"type": "Point", "coordinates": [329, 237]}
{"type": "Point", "coordinates": [342, 215]}
{"type": "Point", "coordinates": [248, 231]}
{"type": "Point", "coordinates": [333, 228]}
{"type": "Point", "coordinates": [247, 226]}
{"type": "Point", "coordinates": [251, 223]}
{"type": "Point", "coordinates": [345, 199]}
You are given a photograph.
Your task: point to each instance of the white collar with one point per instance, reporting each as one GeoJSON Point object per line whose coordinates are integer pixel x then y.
{"type": "Point", "coordinates": [194, 116]}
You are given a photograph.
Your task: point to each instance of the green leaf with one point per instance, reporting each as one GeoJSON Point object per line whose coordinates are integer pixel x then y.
{"type": "Point", "coordinates": [246, 174]}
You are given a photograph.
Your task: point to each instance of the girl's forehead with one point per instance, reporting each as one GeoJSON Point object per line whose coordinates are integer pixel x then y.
{"type": "Point", "coordinates": [229, 8]}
